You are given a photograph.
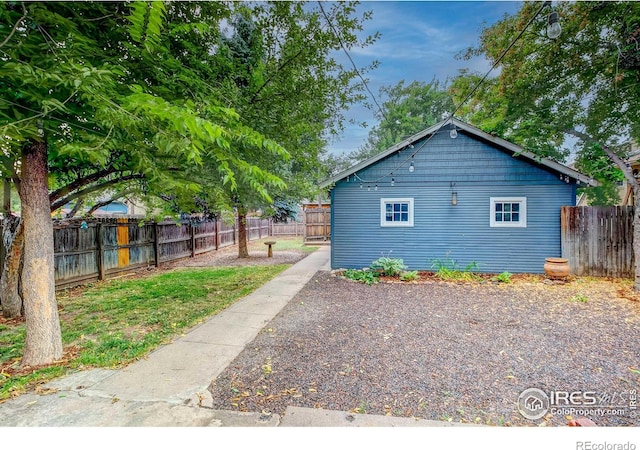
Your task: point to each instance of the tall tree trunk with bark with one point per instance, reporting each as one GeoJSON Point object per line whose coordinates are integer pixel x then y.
{"type": "Point", "coordinates": [44, 340]}
{"type": "Point", "coordinates": [636, 235]}
{"type": "Point", "coordinates": [13, 239]}
{"type": "Point", "coordinates": [243, 251]}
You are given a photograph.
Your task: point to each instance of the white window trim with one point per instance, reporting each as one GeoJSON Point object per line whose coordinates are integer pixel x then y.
{"type": "Point", "coordinates": [522, 223]}
{"type": "Point", "coordinates": [383, 212]}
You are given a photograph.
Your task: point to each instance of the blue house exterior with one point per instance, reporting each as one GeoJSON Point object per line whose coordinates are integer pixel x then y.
{"type": "Point", "coordinates": [464, 196]}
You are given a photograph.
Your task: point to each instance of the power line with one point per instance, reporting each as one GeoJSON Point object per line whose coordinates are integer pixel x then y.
{"type": "Point", "coordinates": [495, 64]}
{"type": "Point", "coordinates": [335, 33]}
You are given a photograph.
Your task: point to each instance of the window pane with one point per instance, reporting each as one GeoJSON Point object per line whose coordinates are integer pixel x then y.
{"type": "Point", "coordinates": [404, 217]}
{"type": "Point", "coordinates": [515, 207]}
{"type": "Point", "coordinates": [388, 207]}
{"type": "Point", "coordinates": [405, 207]}
{"type": "Point", "coordinates": [507, 217]}
{"type": "Point", "coordinates": [515, 217]}
{"type": "Point", "coordinates": [396, 217]}
{"type": "Point", "coordinates": [498, 217]}
{"type": "Point", "coordinates": [389, 217]}
{"type": "Point", "coordinates": [498, 207]}
{"type": "Point", "coordinates": [507, 207]}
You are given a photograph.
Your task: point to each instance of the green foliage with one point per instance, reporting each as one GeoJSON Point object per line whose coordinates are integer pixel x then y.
{"type": "Point", "coordinates": [409, 275]}
{"type": "Point", "coordinates": [582, 84]}
{"type": "Point", "coordinates": [362, 275]}
{"type": "Point", "coordinates": [408, 109]}
{"type": "Point", "coordinates": [448, 270]}
{"type": "Point", "coordinates": [116, 322]}
{"type": "Point", "coordinates": [504, 277]}
{"type": "Point", "coordinates": [579, 298]}
{"type": "Point", "coordinates": [391, 267]}
{"type": "Point", "coordinates": [606, 194]}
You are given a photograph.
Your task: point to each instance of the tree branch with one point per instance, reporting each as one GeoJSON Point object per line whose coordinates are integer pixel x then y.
{"type": "Point", "coordinates": [66, 190]}
{"type": "Point", "coordinates": [278, 70]}
{"type": "Point", "coordinates": [107, 202]}
{"type": "Point", "coordinates": [622, 165]}
{"type": "Point", "coordinates": [15, 27]}
{"type": "Point", "coordinates": [64, 200]}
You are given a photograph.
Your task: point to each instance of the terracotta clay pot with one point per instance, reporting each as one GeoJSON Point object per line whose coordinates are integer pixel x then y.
{"type": "Point", "coordinates": [557, 267]}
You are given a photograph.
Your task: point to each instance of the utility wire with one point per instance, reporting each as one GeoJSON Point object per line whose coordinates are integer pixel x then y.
{"type": "Point", "coordinates": [344, 48]}
{"type": "Point", "coordinates": [495, 64]}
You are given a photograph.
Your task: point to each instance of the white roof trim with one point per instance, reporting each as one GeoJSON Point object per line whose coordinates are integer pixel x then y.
{"type": "Point", "coordinates": [509, 146]}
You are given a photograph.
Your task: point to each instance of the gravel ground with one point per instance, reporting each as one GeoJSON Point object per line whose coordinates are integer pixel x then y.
{"type": "Point", "coordinates": [440, 351]}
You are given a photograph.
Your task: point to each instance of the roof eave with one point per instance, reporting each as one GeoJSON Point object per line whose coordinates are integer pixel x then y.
{"type": "Point", "coordinates": [514, 148]}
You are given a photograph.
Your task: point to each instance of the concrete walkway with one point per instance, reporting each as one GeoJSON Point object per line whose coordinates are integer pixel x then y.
{"type": "Point", "coordinates": [169, 387]}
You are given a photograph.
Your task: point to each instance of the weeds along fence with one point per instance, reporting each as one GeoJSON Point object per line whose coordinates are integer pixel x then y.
{"type": "Point", "coordinates": [101, 248]}
{"type": "Point", "coordinates": [598, 240]}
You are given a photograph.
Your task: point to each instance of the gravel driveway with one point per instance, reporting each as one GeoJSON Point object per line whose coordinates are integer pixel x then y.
{"type": "Point", "coordinates": [441, 351]}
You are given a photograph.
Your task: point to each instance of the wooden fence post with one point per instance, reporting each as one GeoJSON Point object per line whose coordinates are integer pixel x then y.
{"type": "Point", "coordinates": [100, 256]}
{"type": "Point", "coordinates": [215, 231]}
{"type": "Point", "coordinates": [193, 239]}
{"type": "Point", "coordinates": [156, 245]}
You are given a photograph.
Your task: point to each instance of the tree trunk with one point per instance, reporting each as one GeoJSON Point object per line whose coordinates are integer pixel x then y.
{"type": "Point", "coordinates": [243, 252]}
{"type": "Point", "coordinates": [636, 235]}
{"type": "Point", "coordinates": [13, 238]}
{"type": "Point", "coordinates": [6, 197]}
{"type": "Point", "coordinates": [44, 340]}
{"type": "Point", "coordinates": [71, 214]}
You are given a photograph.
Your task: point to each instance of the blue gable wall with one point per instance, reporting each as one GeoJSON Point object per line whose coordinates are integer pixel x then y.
{"type": "Point", "coordinates": [440, 230]}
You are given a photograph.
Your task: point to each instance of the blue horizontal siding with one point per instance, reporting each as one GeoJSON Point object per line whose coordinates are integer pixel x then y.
{"type": "Point", "coordinates": [461, 233]}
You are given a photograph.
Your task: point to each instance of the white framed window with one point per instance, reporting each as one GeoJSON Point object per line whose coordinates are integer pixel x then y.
{"type": "Point", "coordinates": [508, 212]}
{"type": "Point", "coordinates": [396, 212]}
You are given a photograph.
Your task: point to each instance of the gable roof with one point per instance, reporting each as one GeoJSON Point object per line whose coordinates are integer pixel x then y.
{"type": "Point", "coordinates": [509, 147]}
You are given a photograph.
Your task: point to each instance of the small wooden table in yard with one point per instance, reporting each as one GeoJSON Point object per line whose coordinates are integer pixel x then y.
{"type": "Point", "coordinates": [270, 251]}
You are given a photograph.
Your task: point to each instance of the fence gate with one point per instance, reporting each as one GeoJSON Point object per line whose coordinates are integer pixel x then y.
{"type": "Point", "coordinates": [317, 228]}
{"type": "Point", "coordinates": [598, 240]}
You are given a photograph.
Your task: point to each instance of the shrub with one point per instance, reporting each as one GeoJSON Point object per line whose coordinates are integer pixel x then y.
{"type": "Point", "coordinates": [391, 267]}
{"type": "Point", "coordinates": [409, 276]}
{"type": "Point", "coordinates": [363, 276]}
{"type": "Point", "coordinates": [504, 277]}
{"type": "Point", "coordinates": [448, 270]}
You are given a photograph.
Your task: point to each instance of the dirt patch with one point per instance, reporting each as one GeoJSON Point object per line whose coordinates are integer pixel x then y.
{"type": "Point", "coordinates": [440, 351]}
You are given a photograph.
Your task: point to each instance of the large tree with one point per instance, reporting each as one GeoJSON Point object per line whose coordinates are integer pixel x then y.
{"type": "Point", "coordinates": [98, 94]}
{"type": "Point", "coordinates": [278, 69]}
{"type": "Point", "coordinates": [408, 108]}
{"type": "Point", "coordinates": [583, 84]}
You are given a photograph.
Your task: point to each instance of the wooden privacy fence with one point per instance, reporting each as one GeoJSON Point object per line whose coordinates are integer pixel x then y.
{"type": "Point", "coordinates": [287, 229]}
{"type": "Point", "coordinates": [106, 247]}
{"type": "Point", "coordinates": [317, 228]}
{"type": "Point", "coordinates": [598, 240]}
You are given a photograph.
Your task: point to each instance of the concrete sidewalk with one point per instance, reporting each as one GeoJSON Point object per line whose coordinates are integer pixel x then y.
{"type": "Point", "coordinates": [169, 387]}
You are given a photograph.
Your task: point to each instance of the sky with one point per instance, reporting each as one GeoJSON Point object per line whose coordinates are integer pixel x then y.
{"type": "Point", "coordinates": [419, 41]}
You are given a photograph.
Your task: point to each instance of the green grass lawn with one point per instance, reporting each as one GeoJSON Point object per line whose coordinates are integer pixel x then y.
{"type": "Point", "coordinates": [283, 243]}
{"type": "Point", "coordinates": [118, 321]}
